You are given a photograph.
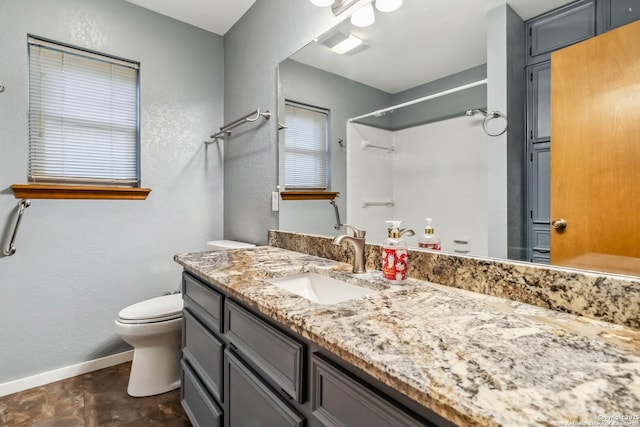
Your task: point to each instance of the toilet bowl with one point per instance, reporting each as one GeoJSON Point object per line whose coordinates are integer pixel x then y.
{"type": "Point", "coordinates": [153, 327]}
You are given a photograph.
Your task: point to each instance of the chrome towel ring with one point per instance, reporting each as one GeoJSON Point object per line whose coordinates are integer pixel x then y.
{"type": "Point", "coordinates": [494, 115]}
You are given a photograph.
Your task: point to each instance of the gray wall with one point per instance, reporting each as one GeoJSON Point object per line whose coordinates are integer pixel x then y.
{"type": "Point", "coordinates": [79, 262]}
{"type": "Point", "coordinates": [266, 35]}
{"type": "Point", "coordinates": [505, 45]}
{"type": "Point", "coordinates": [445, 107]}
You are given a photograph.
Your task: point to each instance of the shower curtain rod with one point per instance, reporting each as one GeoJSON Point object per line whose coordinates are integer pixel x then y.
{"type": "Point", "coordinates": [418, 100]}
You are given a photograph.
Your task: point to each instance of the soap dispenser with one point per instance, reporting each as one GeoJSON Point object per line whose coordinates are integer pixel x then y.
{"type": "Point", "coordinates": [394, 255]}
{"type": "Point", "coordinates": [429, 240]}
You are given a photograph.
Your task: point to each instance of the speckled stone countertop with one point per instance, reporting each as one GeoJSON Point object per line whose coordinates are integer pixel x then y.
{"type": "Point", "coordinates": [475, 359]}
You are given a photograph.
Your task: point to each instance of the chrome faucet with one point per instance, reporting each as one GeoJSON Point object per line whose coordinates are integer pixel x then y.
{"type": "Point", "coordinates": [357, 241]}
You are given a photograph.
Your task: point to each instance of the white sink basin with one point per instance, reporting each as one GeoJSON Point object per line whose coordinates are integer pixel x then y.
{"type": "Point", "coordinates": [320, 289]}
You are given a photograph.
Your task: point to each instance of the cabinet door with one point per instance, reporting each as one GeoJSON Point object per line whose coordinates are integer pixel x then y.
{"type": "Point", "coordinates": [560, 28]}
{"type": "Point", "coordinates": [338, 399]}
{"type": "Point", "coordinates": [539, 202]}
{"type": "Point", "coordinates": [197, 402]}
{"type": "Point", "coordinates": [617, 13]}
{"type": "Point", "coordinates": [278, 357]}
{"type": "Point", "coordinates": [203, 350]}
{"type": "Point", "coordinates": [251, 402]}
{"type": "Point", "coordinates": [539, 102]}
{"type": "Point", "coordinates": [202, 300]}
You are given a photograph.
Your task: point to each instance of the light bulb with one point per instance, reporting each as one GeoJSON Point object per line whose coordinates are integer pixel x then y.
{"type": "Point", "coordinates": [388, 5]}
{"type": "Point", "coordinates": [322, 3]}
{"type": "Point", "coordinates": [364, 16]}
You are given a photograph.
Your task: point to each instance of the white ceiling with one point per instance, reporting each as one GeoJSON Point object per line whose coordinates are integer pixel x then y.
{"type": "Point", "coordinates": [217, 16]}
{"type": "Point", "coordinates": [421, 42]}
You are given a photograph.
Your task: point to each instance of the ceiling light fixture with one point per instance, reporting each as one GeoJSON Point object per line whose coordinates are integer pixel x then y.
{"type": "Point", "coordinates": [346, 45]}
{"type": "Point", "coordinates": [364, 16]}
{"type": "Point", "coordinates": [388, 5]}
{"type": "Point", "coordinates": [322, 3]}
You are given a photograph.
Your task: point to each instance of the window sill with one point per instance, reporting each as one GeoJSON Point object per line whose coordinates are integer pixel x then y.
{"type": "Point", "coordinates": [52, 191]}
{"type": "Point", "coordinates": [309, 195]}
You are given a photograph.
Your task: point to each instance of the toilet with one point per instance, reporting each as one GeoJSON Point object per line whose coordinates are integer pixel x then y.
{"type": "Point", "coordinates": [153, 327]}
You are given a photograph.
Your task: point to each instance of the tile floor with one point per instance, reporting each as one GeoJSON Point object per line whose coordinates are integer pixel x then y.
{"type": "Point", "coordinates": [95, 399]}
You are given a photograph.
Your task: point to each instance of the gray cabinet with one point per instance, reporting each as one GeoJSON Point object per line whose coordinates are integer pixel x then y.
{"type": "Point", "coordinates": [339, 399]}
{"type": "Point", "coordinates": [251, 402]}
{"type": "Point", "coordinates": [539, 102]}
{"type": "Point", "coordinates": [559, 28]}
{"type": "Point", "coordinates": [202, 300]}
{"type": "Point", "coordinates": [616, 13]}
{"type": "Point", "coordinates": [204, 352]}
{"type": "Point", "coordinates": [546, 33]}
{"type": "Point", "coordinates": [278, 357]}
{"type": "Point", "coordinates": [197, 402]}
{"type": "Point", "coordinates": [538, 146]}
{"type": "Point", "coordinates": [259, 373]}
{"type": "Point", "coordinates": [551, 31]}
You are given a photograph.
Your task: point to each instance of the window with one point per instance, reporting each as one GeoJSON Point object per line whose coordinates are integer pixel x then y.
{"type": "Point", "coordinates": [83, 117]}
{"type": "Point", "coordinates": [305, 147]}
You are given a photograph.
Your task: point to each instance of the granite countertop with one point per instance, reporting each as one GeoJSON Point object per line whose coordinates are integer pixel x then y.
{"type": "Point", "coordinates": [476, 360]}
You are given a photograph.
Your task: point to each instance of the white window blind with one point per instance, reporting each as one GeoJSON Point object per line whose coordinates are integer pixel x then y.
{"type": "Point", "coordinates": [305, 147]}
{"type": "Point", "coordinates": [83, 117]}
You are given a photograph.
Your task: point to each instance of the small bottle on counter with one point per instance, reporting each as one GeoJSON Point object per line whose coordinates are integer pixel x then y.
{"type": "Point", "coordinates": [394, 255]}
{"type": "Point", "coordinates": [429, 240]}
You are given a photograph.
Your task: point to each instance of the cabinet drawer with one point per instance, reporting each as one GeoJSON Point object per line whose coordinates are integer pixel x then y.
{"type": "Point", "coordinates": [204, 352]}
{"type": "Point", "coordinates": [620, 12]}
{"type": "Point", "coordinates": [340, 400]}
{"type": "Point", "coordinates": [559, 28]}
{"type": "Point", "coordinates": [250, 402]}
{"type": "Point", "coordinates": [197, 402]}
{"type": "Point", "coordinates": [274, 354]}
{"type": "Point", "coordinates": [205, 302]}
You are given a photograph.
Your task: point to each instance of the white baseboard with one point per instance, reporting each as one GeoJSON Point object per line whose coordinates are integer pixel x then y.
{"type": "Point", "coordinates": [64, 373]}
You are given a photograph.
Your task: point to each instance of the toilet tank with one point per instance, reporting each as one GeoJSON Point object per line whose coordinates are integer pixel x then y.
{"type": "Point", "coordinates": [223, 245]}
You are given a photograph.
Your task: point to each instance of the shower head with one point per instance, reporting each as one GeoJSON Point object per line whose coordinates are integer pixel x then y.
{"type": "Point", "coordinates": [476, 111]}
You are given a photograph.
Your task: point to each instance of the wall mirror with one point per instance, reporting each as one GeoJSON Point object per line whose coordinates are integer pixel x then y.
{"type": "Point", "coordinates": [425, 160]}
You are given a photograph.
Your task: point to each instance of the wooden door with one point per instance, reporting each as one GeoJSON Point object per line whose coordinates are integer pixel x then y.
{"type": "Point", "coordinates": [595, 152]}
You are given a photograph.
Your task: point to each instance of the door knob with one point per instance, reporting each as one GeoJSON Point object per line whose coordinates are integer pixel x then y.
{"type": "Point", "coordinates": [559, 224]}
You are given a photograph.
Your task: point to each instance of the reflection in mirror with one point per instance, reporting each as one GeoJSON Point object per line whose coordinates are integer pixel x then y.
{"type": "Point", "coordinates": [426, 160]}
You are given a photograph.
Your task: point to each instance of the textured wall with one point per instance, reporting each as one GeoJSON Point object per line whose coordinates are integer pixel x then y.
{"type": "Point", "coordinates": [266, 35]}
{"type": "Point", "coordinates": [79, 262]}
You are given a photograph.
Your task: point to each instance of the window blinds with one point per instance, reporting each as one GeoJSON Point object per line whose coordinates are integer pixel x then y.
{"type": "Point", "coordinates": [83, 117]}
{"type": "Point", "coordinates": [305, 147]}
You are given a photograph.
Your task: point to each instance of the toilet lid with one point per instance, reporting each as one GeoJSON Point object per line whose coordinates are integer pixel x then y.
{"type": "Point", "coordinates": [158, 309]}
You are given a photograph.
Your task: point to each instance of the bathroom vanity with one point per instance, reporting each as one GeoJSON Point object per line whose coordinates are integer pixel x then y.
{"type": "Point", "coordinates": [417, 354]}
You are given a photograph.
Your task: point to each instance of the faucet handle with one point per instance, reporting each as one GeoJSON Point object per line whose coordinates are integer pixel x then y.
{"type": "Point", "coordinates": [356, 231]}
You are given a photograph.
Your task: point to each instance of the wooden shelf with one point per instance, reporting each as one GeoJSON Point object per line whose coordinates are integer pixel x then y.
{"type": "Point", "coordinates": [309, 195]}
{"type": "Point", "coordinates": [53, 191]}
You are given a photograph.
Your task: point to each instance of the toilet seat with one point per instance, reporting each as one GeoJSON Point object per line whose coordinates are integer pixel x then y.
{"type": "Point", "coordinates": [159, 309]}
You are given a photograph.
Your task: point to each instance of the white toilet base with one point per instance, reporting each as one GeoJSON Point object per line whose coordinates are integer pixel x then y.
{"type": "Point", "coordinates": [157, 350]}
{"type": "Point", "coordinates": [154, 370]}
